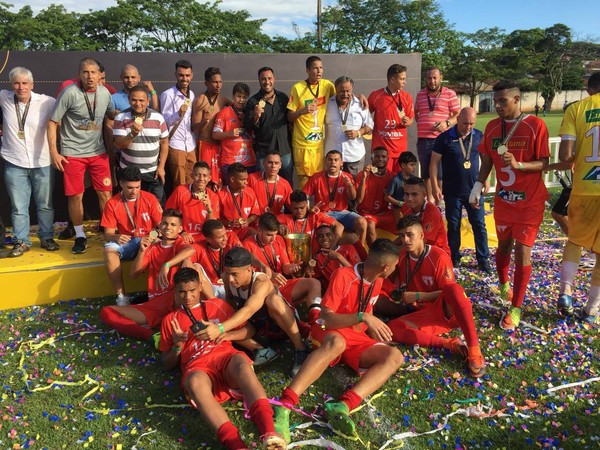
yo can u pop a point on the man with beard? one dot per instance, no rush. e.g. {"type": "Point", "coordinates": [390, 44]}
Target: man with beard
{"type": "Point", "coordinates": [131, 78]}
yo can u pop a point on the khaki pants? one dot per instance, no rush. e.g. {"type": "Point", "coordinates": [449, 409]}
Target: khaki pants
{"type": "Point", "coordinates": [181, 164]}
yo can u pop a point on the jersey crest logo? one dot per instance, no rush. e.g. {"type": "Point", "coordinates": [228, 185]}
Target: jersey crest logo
{"type": "Point", "coordinates": [501, 227]}
{"type": "Point", "coordinates": [427, 280]}
{"type": "Point", "coordinates": [593, 174]}
{"type": "Point", "coordinates": [247, 211]}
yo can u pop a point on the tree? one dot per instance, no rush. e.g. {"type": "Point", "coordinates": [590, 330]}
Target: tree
{"type": "Point", "coordinates": [54, 28]}
{"type": "Point", "coordinates": [117, 28]}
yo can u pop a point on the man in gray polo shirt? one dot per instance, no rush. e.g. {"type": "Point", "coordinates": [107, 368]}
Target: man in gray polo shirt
{"type": "Point", "coordinates": [80, 109]}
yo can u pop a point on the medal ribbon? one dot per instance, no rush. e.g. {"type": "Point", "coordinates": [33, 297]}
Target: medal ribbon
{"type": "Point", "coordinates": [303, 230]}
{"type": "Point", "coordinates": [217, 266]}
{"type": "Point", "coordinates": [235, 203]}
{"type": "Point", "coordinates": [335, 186]}
{"type": "Point", "coordinates": [363, 301]}
{"type": "Point", "coordinates": [270, 198]}
{"type": "Point", "coordinates": [20, 119]}
{"type": "Point", "coordinates": [432, 105]}
{"type": "Point", "coordinates": [316, 96]}
{"type": "Point", "coordinates": [512, 130]}
{"type": "Point", "coordinates": [272, 264]}
{"type": "Point", "coordinates": [135, 210]}
{"type": "Point", "coordinates": [467, 153]}
{"type": "Point", "coordinates": [399, 102]}
{"type": "Point", "coordinates": [409, 275]}
{"type": "Point", "coordinates": [91, 112]}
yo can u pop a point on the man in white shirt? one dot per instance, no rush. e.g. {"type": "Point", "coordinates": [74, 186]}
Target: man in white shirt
{"type": "Point", "coordinates": [176, 107]}
{"type": "Point", "coordinates": [27, 165]}
{"type": "Point", "coordinates": [346, 123]}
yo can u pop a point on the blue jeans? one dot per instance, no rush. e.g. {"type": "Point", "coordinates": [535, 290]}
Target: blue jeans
{"type": "Point", "coordinates": [287, 166]}
{"type": "Point", "coordinates": [20, 183]}
{"type": "Point", "coordinates": [454, 207]}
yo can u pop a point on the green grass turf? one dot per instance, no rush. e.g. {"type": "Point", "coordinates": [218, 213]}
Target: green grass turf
{"type": "Point", "coordinates": [553, 121]}
{"type": "Point", "coordinates": [131, 380]}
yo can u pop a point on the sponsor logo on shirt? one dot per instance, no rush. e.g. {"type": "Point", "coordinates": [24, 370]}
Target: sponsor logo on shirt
{"type": "Point", "coordinates": [593, 174]}
{"type": "Point", "coordinates": [314, 136]}
{"type": "Point", "coordinates": [592, 115]}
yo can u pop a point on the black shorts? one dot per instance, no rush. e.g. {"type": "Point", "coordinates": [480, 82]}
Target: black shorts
{"type": "Point", "coordinates": [561, 206]}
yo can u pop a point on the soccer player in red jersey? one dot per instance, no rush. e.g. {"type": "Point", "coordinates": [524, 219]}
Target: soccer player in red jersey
{"type": "Point", "coordinates": [272, 191]}
{"type": "Point", "coordinates": [236, 142]}
{"type": "Point", "coordinates": [347, 315]}
{"type": "Point", "coordinates": [416, 204]}
{"type": "Point", "coordinates": [370, 196]}
{"type": "Point", "coordinates": [127, 217]}
{"type": "Point", "coordinates": [239, 208]}
{"type": "Point", "coordinates": [197, 202]}
{"type": "Point", "coordinates": [392, 110]}
{"type": "Point", "coordinates": [332, 189]}
{"type": "Point", "coordinates": [329, 257]}
{"type": "Point", "coordinates": [516, 145]}
{"type": "Point", "coordinates": [161, 259]}
{"type": "Point", "coordinates": [426, 279]}
{"type": "Point", "coordinates": [213, 371]}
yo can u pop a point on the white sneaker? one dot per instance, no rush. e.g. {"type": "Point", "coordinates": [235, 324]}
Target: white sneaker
{"type": "Point", "coordinates": [123, 300]}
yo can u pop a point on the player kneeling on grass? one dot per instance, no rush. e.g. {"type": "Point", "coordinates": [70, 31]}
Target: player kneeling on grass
{"type": "Point", "coordinates": [349, 333]}
{"type": "Point", "coordinates": [213, 370]}
{"type": "Point", "coordinates": [426, 278]}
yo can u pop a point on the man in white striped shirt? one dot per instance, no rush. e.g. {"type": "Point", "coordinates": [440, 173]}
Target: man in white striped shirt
{"type": "Point", "coordinates": [143, 138]}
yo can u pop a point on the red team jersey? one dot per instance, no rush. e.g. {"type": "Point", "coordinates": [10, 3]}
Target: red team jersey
{"type": "Point", "coordinates": [388, 130]}
{"type": "Point", "coordinates": [373, 202]}
{"type": "Point", "coordinates": [520, 196]}
{"type": "Point", "coordinates": [274, 255]}
{"type": "Point", "coordinates": [433, 225]}
{"type": "Point", "coordinates": [212, 260]}
{"type": "Point", "coordinates": [434, 273]}
{"type": "Point", "coordinates": [193, 210]}
{"type": "Point", "coordinates": [146, 213]}
{"type": "Point", "coordinates": [326, 266]}
{"type": "Point", "coordinates": [237, 149]}
{"type": "Point", "coordinates": [320, 184]}
{"type": "Point", "coordinates": [274, 195]}
{"type": "Point", "coordinates": [154, 258]}
{"type": "Point", "coordinates": [238, 206]}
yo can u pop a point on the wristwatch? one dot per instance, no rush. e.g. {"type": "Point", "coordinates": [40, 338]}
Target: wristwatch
{"type": "Point", "coordinates": [448, 123]}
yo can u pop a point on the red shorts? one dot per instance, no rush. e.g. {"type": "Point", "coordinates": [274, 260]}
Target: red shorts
{"type": "Point", "coordinates": [393, 165]}
{"type": "Point", "coordinates": [286, 291]}
{"type": "Point", "coordinates": [385, 221]}
{"type": "Point", "coordinates": [214, 365]}
{"type": "Point", "coordinates": [356, 343]}
{"type": "Point", "coordinates": [209, 153]}
{"type": "Point", "coordinates": [156, 308]}
{"type": "Point", "coordinates": [98, 168]}
{"type": "Point", "coordinates": [429, 319]}
{"type": "Point", "coordinates": [525, 233]}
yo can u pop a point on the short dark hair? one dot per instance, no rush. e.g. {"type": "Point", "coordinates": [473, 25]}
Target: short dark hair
{"type": "Point", "coordinates": [131, 173]}
{"type": "Point", "coordinates": [186, 275]}
{"type": "Point", "coordinates": [210, 226]}
{"type": "Point", "coordinates": [395, 69]}
{"type": "Point", "coordinates": [201, 165]}
{"type": "Point", "coordinates": [101, 68]}
{"type": "Point", "coordinates": [379, 149]}
{"type": "Point", "coordinates": [172, 212]}
{"type": "Point", "coordinates": [407, 157]}
{"type": "Point", "coordinates": [241, 88]}
{"type": "Point", "coordinates": [210, 71]}
{"type": "Point", "coordinates": [408, 221]}
{"type": "Point", "coordinates": [383, 246]}
{"type": "Point", "coordinates": [298, 196]}
{"type": "Point", "coordinates": [503, 85]}
{"type": "Point", "coordinates": [323, 225]}
{"type": "Point", "coordinates": [343, 79]}
{"type": "Point", "coordinates": [431, 68]}
{"type": "Point", "coordinates": [265, 69]}
{"type": "Point", "coordinates": [236, 168]}
{"type": "Point", "coordinates": [138, 88]}
{"type": "Point", "coordinates": [330, 152]}
{"type": "Point", "coordinates": [310, 60]}
{"type": "Point", "coordinates": [594, 82]}
{"type": "Point", "coordinates": [415, 181]}
{"type": "Point", "coordinates": [183, 63]}
{"type": "Point", "coordinates": [268, 222]}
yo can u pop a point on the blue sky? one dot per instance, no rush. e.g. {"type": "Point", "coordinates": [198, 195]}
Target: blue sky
{"type": "Point", "coordinates": [466, 15]}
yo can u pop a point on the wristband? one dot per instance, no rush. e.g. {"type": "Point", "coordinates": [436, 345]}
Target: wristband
{"type": "Point", "coordinates": [520, 165]}
{"type": "Point", "coordinates": [167, 265]}
{"type": "Point", "coordinates": [359, 135]}
{"type": "Point", "coordinates": [221, 328]}
{"type": "Point", "coordinates": [209, 211]}
{"type": "Point", "coordinates": [417, 295]}
{"type": "Point", "coordinates": [360, 319]}
{"type": "Point", "coordinates": [153, 92]}
{"type": "Point", "coordinates": [177, 349]}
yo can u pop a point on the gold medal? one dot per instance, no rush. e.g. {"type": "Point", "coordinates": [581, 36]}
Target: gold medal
{"type": "Point", "coordinates": [262, 103]}
{"type": "Point", "coordinates": [467, 165]}
{"type": "Point", "coordinates": [21, 134]}
{"type": "Point", "coordinates": [374, 169]}
{"type": "Point", "coordinates": [344, 128]}
{"type": "Point", "coordinates": [153, 235]}
{"type": "Point", "coordinates": [139, 120]}
{"type": "Point", "coordinates": [502, 149]}
{"type": "Point", "coordinates": [401, 113]}
{"type": "Point", "coordinates": [312, 263]}
{"type": "Point", "coordinates": [331, 205]}
{"type": "Point", "coordinates": [187, 102]}
{"type": "Point", "coordinates": [430, 113]}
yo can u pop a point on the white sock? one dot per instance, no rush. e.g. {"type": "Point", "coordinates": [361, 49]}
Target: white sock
{"type": "Point", "coordinates": [567, 274]}
{"type": "Point", "coordinates": [317, 300]}
{"type": "Point", "coordinates": [591, 308]}
{"type": "Point", "coordinates": [79, 231]}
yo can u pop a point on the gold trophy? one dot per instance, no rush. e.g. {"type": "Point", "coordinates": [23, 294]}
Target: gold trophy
{"type": "Point", "coordinates": [298, 248]}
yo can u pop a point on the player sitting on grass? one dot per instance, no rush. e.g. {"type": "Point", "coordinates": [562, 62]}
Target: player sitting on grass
{"type": "Point", "coordinates": [346, 314]}
{"type": "Point", "coordinates": [213, 370]}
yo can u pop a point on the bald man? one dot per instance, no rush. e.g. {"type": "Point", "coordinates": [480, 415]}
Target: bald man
{"type": "Point", "coordinates": [130, 76]}
{"type": "Point", "coordinates": [457, 149]}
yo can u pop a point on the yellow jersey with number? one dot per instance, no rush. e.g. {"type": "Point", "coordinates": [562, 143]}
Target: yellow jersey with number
{"type": "Point", "coordinates": [582, 124]}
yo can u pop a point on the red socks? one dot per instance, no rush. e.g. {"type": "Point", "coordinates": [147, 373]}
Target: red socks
{"type": "Point", "coordinates": [262, 416]}
{"type": "Point", "coordinates": [229, 436]}
{"type": "Point", "coordinates": [522, 276]}
{"type": "Point", "coordinates": [413, 336]}
{"type": "Point", "coordinates": [351, 399]}
{"type": "Point", "coordinates": [123, 325]}
{"type": "Point", "coordinates": [455, 295]}
{"type": "Point", "coordinates": [289, 398]}
{"type": "Point", "coordinates": [502, 266]}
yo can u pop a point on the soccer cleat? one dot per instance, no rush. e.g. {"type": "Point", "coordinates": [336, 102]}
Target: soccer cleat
{"type": "Point", "coordinates": [565, 305]}
{"type": "Point", "coordinates": [155, 340]}
{"type": "Point", "coordinates": [299, 358]}
{"type": "Point", "coordinates": [506, 292]}
{"type": "Point", "coordinates": [273, 441]}
{"type": "Point", "coordinates": [264, 356]}
{"type": "Point", "coordinates": [338, 416]}
{"type": "Point", "coordinates": [281, 421]}
{"type": "Point", "coordinates": [476, 366]}
{"type": "Point", "coordinates": [510, 319]}
{"type": "Point", "coordinates": [587, 318]}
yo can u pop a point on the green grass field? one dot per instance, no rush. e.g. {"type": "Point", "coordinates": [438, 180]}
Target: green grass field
{"type": "Point", "coordinates": [553, 120]}
{"type": "Point", "coordinates": [69, 383]}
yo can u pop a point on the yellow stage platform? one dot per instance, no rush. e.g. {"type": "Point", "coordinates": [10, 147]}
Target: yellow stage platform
{"type": "Point", "coordinates": [40, 277]}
